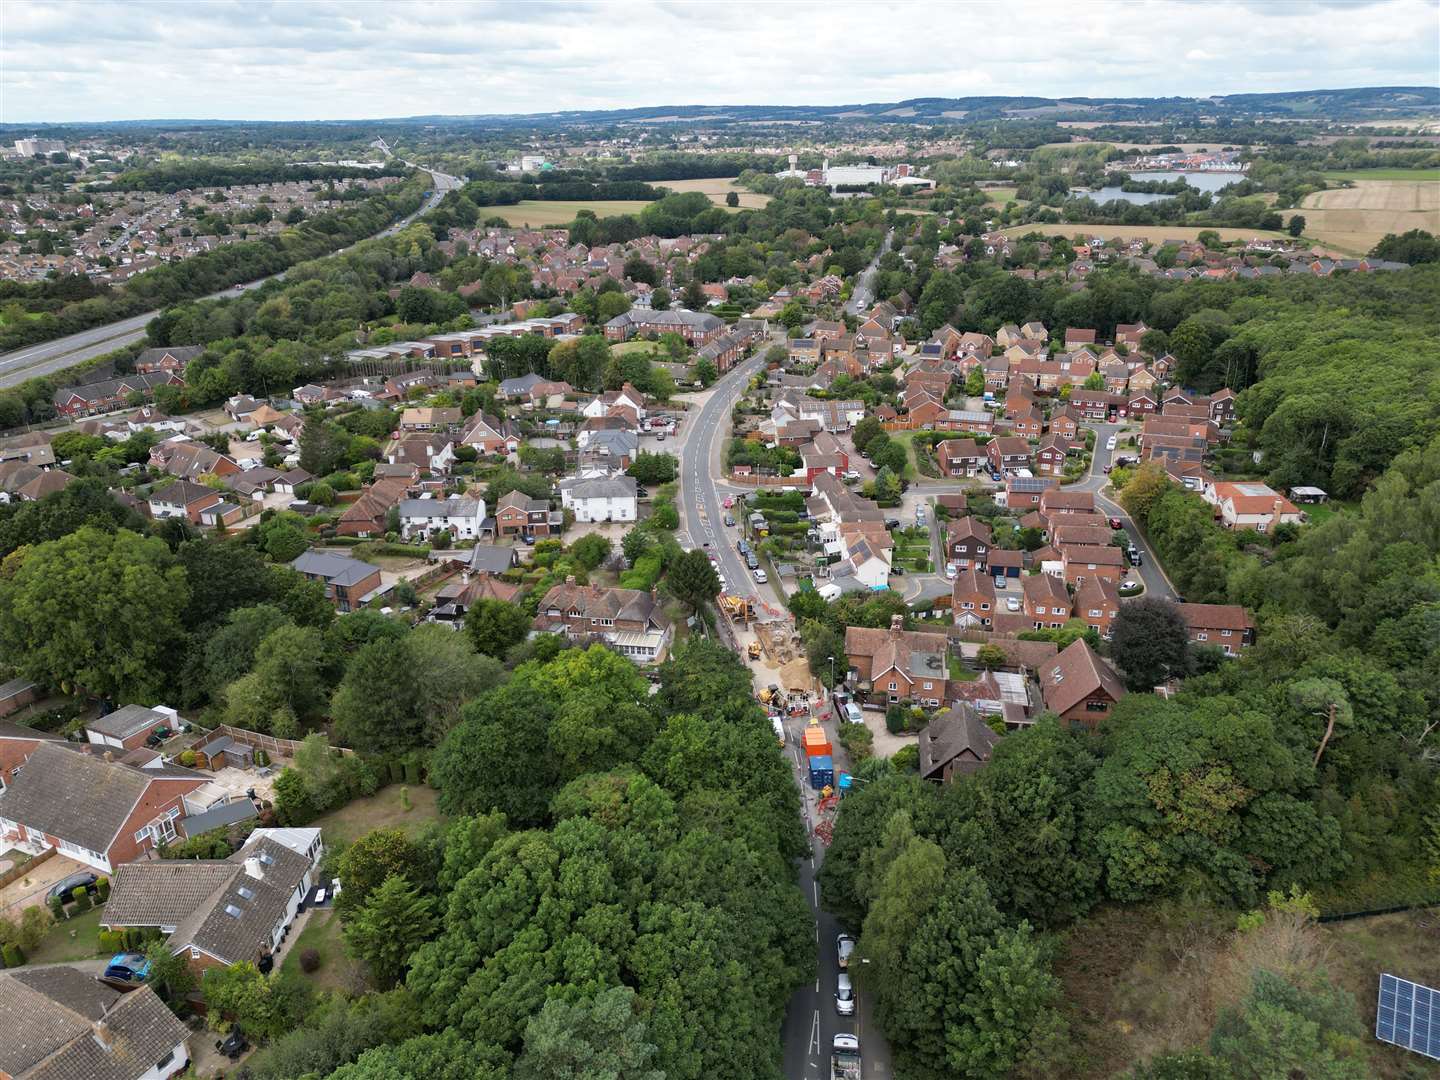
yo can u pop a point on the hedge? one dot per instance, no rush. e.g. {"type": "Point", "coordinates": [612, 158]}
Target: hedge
{"type": "Point", "coordinates": [111, 941]}
{"type": "Point", "coordinates": [12, 956]}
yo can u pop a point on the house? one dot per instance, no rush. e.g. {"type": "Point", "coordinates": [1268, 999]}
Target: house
{"type": "Point", "coordinates": [1249, 505]}
{"type": "Point", "coordinates": [1227, 626]}
{"type": "Point", "coordinates": [1060, 501]}
{"type": "Point", "coordinates": [368, 514]}
{"type": "Point", "coordinates": [824, 453]}
{"type": "Point", "coordinates": [190, 460]}
{"type": "Point", "coordinates": [516, 514]}
{"type": "Point", "coordinates": [606, 449]}
{"type": "Point", "coordinates": [18, 742]}
{"type": "Point", "coordinates": [348, 582]}
{"type": "Point", "coordinates": [1097, 604]}
{"type": "Point", "coordinates": [433, 452]}
{"type": "Point", "coordinates": [183, 499]}
{"type": "Point", "coordinates": [287, 482]}
{"type": "Point", "coordinates": [972, 598]}
{"type": "Point", "coordinates": [600, 498]}
{"type": "Point", "coordinates": [967, 542]}
{"type": "Point", "coordinates": [1047, 603]}
{"type": "Point", "coordinates": [1008, 453]}
{"type": "Point", "coordinates": [93, 809]}
{"type": "Point", "coordinates": [1065, 424]}
{"type": "Point", "coordinates": [1074, 338]}
{"type": "Point", "coordinates": [889, 666]}
{"type": "Point", "coordinates": [696, 327]}
{"type": "Point", "coordinates": [1083, 561]}
{"type": "Point", "coordinates": [170, 358]}
{"type": "Point", "coordinates": [489, 435]}
{"type": "Point", "coordinates": [956, 744]}
{"type": "Point", "coordinates": [1050, 455]}
{"type": "Point", "coordinates": [218, 912]}
{"type": "Point", "coordinates": [16, 694]}
{"type": "Point", "coordinates": [960, 457]}
{"type": "Point", "coordinates": [630, 621]}
{"type": "Point", "coordinates": [1025, 491]}
{"type": "Point", "coordinates": [110, 394]}
{"type": "Point", "coordinates": [127, 728]}
{"type": "Point", "coordinates": [429, 419]}
{"type": "Point", "coordinates": [62, 1023]}
{"type": "Point", "coordinates": [461, 518]}
{"type": "Point", "coordinates": [1079, 687]}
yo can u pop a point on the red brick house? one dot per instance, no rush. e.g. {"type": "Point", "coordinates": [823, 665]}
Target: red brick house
{"type": "Point", "coordinates": [1097, 604]}
{"type": "Point", "coordinates": [972, 598]}
{"type": "Point", "coordinates": [1066, 424]}
{"type": "Point", "coordinates": [1227, 626]}
{"type": "Point", "coordinates": [1007, 453]}
{"type": "Point", "coordinates": [1047, 604]}
{"type": "Point", "coordinates": [93, 809]}
{"type": "Point", "coordinates": [347, 581]}
{"type": "Point", "coordinates": [960, 457]}
{"type": "Point", "coordinates": [519, 515]}
{"type": "Point", "coordinates": [1085, 561]}
{"type": "Point", "coordinates": [17, 743]}
{"type": "Point", "coordinates": [1061, 501]}
{"type": "Point", "coordinates": [1079, 687]}
{"type": "Point", "coordinates": [1050, 455]}
{"type": "Point", "coordinates": [889, 666]}
{"type": "Point", "coordinates": [967, 542]}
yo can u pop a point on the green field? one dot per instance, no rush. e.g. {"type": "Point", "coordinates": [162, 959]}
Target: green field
{"type": "Point", "coordinates": [382, 810]}
{"type": "Point", "coordinates": [1418, 175]}
{"type": "Point", "coordinates": [536, 212]}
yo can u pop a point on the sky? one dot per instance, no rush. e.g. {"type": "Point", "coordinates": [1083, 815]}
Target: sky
{"type": "Point", "coordinates": [323, 60]}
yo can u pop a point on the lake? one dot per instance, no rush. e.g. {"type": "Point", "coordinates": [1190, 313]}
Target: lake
{"type": "Point", "coordinates": [1202, 181]}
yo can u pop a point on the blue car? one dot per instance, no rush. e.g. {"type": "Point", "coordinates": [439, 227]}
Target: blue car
{"type": "Point", "coordinates": [128, 967]}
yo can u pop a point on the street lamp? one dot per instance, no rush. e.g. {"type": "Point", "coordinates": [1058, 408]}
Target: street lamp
{"type": "Point", "coordinates": [832, 671]}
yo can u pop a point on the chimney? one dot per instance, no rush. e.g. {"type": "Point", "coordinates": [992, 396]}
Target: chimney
{"type": "Point", "coordinates": [109, 755]}
{"type": "Point", "coordinates": [897, 624]}
{"type": "Point", "coordinates": [569, 579]}
{"type": "Point", "coordinates": [254, 869]}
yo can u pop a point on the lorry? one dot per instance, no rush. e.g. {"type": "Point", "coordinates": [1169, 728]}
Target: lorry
{"type": "Point", "coordinates": [822, 771]}
{"type": "Point", "coordinates": [845, 1057]}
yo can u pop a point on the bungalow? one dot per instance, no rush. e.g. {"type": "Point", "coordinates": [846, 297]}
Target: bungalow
{"type": "Point", "coordinates": [600, 498]}
{"type": "Point", "coordinates": [348, 582]}
{"type": "Point", "coordinates": [429, 419]}
{"type": "Point", "coordinates": [1227, 626]}
{"type": "Point", "coordinates": [218, 912]}
{"type": "Point", "coordinates": [889, 666]}
{"type": "Point", "coordinates": [1250, 505]}
{"type": "Point", "coordinates": [18, 742]}
{"type": "Point", "coordinates": [1079, 687]}
{"type": "Point", "coordinates": [93, 809]}
{"type": "Point", "coordinates": [630, 621]}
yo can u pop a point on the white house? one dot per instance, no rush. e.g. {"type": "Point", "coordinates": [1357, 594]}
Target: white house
{"type": "Point", "coordinates": [1248, 505]}
{"type": "Point", "coordinates": [600, 498]}
{"type": "Point", "coordinates": [462, 517]}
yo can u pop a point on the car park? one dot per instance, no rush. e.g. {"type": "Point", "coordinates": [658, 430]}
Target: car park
{"type": "Point", "coordinates": [844, 995]}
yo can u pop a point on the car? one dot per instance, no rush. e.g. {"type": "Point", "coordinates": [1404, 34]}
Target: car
{"type": "Point", "coordinates": [128, 967]}
{"type": "Point", "coordinates": [844, 995]}
{"type": "Point", "coordinates": [1110, 443]}
{"type": "Point", "coordinates": [759, 575]}
{"type": "Point", "coordinates": [1000, 581]}
{"type": "Point", "coordinates": [240, 287]}
{"type": "Point", "coordinates": [898, 569]}
{"type": "Point", "coordinates": [660, 436]}
{"type": "Point", "coordinates": [752, 562]}
{"type": "Point", "coordinates": [67, 885]}
{"type": "Point", "coordinates": [729, 521]}
{"type": "Point", "coordinates": [721, 579]}
{"type": "Point", "coordinates": [742, 547]}
{"type": "Point", "coordinates": [1134, 554]}
{"type": "Point", "coordinates": [1116, 523]}
{"type": "Point", "coordinates": [851, 475]}
{"type": "Point", "coordinates": [892, 523]}
{"type": "Point", "coordinates": [1106, 470]}
{"type": "Point", "coordinates": [951, 571]}
{"type": "Point", "coordinates": [1012, 603]}
{"type": "Point", "coordinates": [844, 946]}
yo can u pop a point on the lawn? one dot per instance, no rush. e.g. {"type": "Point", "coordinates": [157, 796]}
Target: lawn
{"type": "Point", "coordinates": [1384, 174]}
{"type": "Point", "coordinates": [537, 212]}
{"type": "Point", "coordinates": [381, 810]}
{"type": "Point", "coordinates": [323, 934]}
{"type": "Point", "coordinates": [69, 940]}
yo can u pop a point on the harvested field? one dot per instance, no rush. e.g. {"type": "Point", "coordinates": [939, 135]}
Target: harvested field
{"type": "Point", "coordinates": [537, 212]}
{"type": "Point", "coordinates": [717, 188]}
{"type": "Point", "coordinates": [1153, 233]}
{"type": "Point", "coordinates": [1356, 218]}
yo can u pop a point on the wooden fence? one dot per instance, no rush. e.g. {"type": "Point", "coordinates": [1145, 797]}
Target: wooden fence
{"type": "Point", "coordinates": [754, 480]}
{"type": "Point", "coordinates": [269, 743]}
{"type": "Point", "coordinates": [19, 870]}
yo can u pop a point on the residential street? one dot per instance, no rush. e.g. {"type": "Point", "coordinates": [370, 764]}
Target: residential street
{"type": "Point", "coordinates": [52, 356]}
{"type": "Point", "coordinates": [864, 291]}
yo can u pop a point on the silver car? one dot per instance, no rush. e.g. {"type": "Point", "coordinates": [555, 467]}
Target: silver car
{"type": "Point", "coordinates": [844, 996]}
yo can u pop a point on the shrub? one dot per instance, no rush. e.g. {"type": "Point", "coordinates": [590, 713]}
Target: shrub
{"type": "Point", "coordinates": [12, 955]}
{"type": "Point", "coordinates": [187, 758]}
{"type": "Point", "coordinates": [57, 907]}
{"type": "Point", "coordinates": [858, 741]}
{"type": "Point", "coordinates": [907, 758]}
{"type": "Point", "coordinates": [895, 717]}
{"type": "Point", "coordinates": [309, 961]}
{"type": "Point", "coordinates": [111, 941]}
{"type": "Point", "coordinates": [82, 899]}
{"type": "Point", "coordinates": [102, 889]}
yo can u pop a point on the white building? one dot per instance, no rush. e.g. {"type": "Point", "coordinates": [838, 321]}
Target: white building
{"type": "Point", "coordinates": [600, 498]}
{"type": "Point", "coordinates": [462, 517]}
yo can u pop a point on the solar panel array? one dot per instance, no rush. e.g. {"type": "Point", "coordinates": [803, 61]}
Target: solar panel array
{"type": "Point", "coordinates": [1409, 1015]}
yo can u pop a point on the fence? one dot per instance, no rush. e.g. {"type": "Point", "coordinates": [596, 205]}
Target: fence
{"type": "Point", "coordinates": [269, 743]}
{"type": "Point", "coordinates": [754, 480]}
{"type": "Point", "coordinates": [16, 872]}
{"type": "Point", "coordinates": [1344, 916]}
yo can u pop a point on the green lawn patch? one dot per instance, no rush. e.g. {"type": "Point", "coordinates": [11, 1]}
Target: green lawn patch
{"type": "Point", "coordinates": [381, 810]}
{"type": "Point", "coordinates": [960, 673]}
{"type": "Point", "coordinates": [1383, 174]}
{"type": "Point", "coordinates": [323, 934]}
{"type": "Point", "coordinates": [70, 940]}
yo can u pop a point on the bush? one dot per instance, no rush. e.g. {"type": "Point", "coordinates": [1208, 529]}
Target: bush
{"type": "Point", "coordinates": [309, 961]}
{"type": "Point", "coordinates": [102, 889]}
{"type": "Point", "coordinates": [907, 759]}
{"type": "Point", "coordinates": [187, 758]}
{"type": "Point", "coordinates": [12, 955]}
{"type": "Point", "coordinates": [57, 907]}
{"type": "Point", "coordinates": [82, 900]}
{"type": "Point", "coordinates": [858, 741]}
{"type": "Point", "coordinates": [895, 717]}
{"type": "Point", "coordinates": [111, 941]}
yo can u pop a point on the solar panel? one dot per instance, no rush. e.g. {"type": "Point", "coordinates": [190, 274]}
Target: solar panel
{"type": "Point", "coordinates": [1408, 1015]}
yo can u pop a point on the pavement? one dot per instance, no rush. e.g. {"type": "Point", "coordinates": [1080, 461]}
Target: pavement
{"type": "Point", "coordinates": [52, 356]}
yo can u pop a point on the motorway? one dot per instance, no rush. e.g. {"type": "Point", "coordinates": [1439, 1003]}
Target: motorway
{"type": "Point", "coordinates": [52, 356]}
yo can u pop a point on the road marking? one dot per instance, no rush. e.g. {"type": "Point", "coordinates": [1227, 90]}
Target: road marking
{"type": "Point", "coordinates": [815, 887]}
{"type": "Point", "coordinates": [814, 1047]}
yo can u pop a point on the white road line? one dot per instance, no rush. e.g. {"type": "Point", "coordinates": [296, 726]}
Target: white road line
{"type": "Point", "coordinates": [814, 1047]}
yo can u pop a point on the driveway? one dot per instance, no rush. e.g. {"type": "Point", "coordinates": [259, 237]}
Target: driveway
{"type": "Point", "coordinates": [29, 890]}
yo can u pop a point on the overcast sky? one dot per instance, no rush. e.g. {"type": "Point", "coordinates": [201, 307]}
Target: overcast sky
{"type": "Point", "coordinates": [322, 60]}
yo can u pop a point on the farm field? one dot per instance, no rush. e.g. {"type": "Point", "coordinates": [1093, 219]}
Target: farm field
{"type": "Point", "coordinates": [1000, 195]}
{"type": "Point", "coordinates": [1154, 233]}
{"type": "Point", "coordinates": [717, 188]}
{"type": "Point", "coordinates": [1356, 218]}
{"type": "Point", "coordinates": [1416, 175]}
{"type": "Point", "coordinates": [537, 212]}
{"type": "Point", "coordinates": [1187, 148]}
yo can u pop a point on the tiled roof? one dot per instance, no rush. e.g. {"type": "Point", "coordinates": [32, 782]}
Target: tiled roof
{"type": "Point", "coordinates": [1076, 674]}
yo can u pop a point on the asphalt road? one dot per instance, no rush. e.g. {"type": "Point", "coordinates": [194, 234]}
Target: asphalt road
{"type": "Point", "coordinates": [1156, 584]}
{"type": "Point", "coordinates": [702, 512]}
{"type": "Point", "coordinates": [52, 356]}
{"type": "Point", "coordinates": [864, 288]}
{"type": "Point", "coordinates": [811, 1020]}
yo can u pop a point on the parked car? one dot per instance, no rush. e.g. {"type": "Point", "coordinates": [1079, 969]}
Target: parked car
{"type": "Point", "coordinates": [1116, 523]}
{"type": "Point", "coordinates": [752, 562]}
{"type": "Point", "coordinates": [892, 523]}
{"type": "Point", "coordinates": [951, 570]}
{"type": "Point", "coordinates": [65, 886]}
{"type": "Point", "coordinates": [851, 475]}
{"type": "Point", "coordinates": [1134, 555]}
{"type": "Point", "coordinates": [844, 946]}
{"type": "Point", "coordinates": [853, 714]}
{"type": "Point", "coordinates": [128, 967]}
{"type": "Point", "coordinates": [999, 581]}
{"type": "Point", "coordinates": [1110, 443]}
{"type": "Point", "coordinates": [844, 995]}
{"type": "Point", "coordinates": [759, 575]}
{"type": "Point", "coordinates": [729, 521]}
{"type": "Point", "coordinates": [233, 1045]}
{"type": "Point", "coordinates": [1012, 603]}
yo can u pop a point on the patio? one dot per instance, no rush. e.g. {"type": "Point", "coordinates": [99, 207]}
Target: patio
{"type": "Point", "coordinates": [29, 889]}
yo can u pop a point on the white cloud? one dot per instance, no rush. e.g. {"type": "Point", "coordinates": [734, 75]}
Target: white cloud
{"type": "Point", "coordinates": [328, 59]}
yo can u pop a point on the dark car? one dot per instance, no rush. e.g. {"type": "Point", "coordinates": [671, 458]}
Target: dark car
{"type": "Point", "coordinates": [65, 886]}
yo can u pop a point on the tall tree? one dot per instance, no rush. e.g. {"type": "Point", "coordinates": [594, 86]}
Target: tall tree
{"type": "Point", "coordinates": [599, 1038]}
{"type": "Point", "coordinates": [1149, 642]}
{"type": "Point", "coordinates": [394, 921]}
{"type": "Point", "coordinates": [692, 579]}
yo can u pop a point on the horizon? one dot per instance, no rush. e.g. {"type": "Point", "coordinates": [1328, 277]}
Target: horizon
{"type": "Point", "coordinates": [331, 61]}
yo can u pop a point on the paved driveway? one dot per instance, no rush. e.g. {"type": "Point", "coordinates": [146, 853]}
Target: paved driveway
{"type": "Point", "coordinates": [29, 890]}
